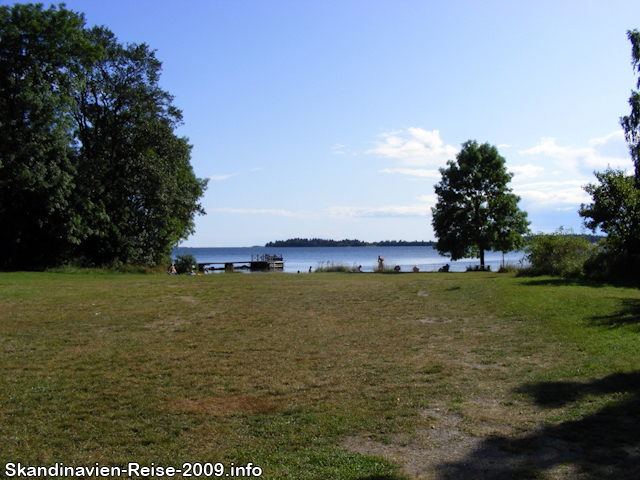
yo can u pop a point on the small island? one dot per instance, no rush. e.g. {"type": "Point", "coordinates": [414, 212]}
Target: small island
{"type": "Point", "coordinates": [319, 242]}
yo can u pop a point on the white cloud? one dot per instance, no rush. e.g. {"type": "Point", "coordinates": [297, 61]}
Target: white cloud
{"type": "Point", "coordinates": [339, 149]}
{"type": "Point", "coordinates": [553, 194]}
{"type": "Point", "coordinates": [617, 135]}
{"type": "Point", "coordinates": [415, 172]}
{"type": "Point", "coordinates": [522, 172]}
{"type": "Point", "coordinates": [219, 178]}
{"type": "Point", "coordinates": [588, 157]}
{"type": "Point", "coordinates": [416, 147]}
{"type": "Point", "coordinates": [251, 211]}
{"type": "Point", "coordinates": [430, 199]}
{"type": "Point", "coordinates": [385, 211]}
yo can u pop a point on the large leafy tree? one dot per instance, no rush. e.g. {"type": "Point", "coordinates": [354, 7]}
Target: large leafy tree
{"type": "Point", "coordinates": [476, 211]}
{"type": "Point", "coordinates": [40, 55]}
{"type": "Point", "coordinates": [90, 166]}
{"type": "Point", "coordinates": [616, 199]}
{"type": "Point", "coordinates": [139, 190]}
{"type": "Point", "coordinates": [615, 209]}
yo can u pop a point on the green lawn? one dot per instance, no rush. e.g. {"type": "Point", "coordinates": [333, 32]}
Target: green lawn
{"type": "Point", "coordinates": [322, 376]}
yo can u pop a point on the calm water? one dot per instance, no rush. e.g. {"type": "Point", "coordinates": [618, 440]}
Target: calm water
{"type": "Point", "coordinates": [301, 258]}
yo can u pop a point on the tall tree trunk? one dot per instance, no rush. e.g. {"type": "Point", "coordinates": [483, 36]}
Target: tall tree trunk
{"type": "Point", "coordinates": [482, 258]}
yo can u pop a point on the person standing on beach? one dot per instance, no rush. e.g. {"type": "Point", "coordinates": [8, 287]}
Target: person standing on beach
{"type": "Point", "coordinates": [380, 263]}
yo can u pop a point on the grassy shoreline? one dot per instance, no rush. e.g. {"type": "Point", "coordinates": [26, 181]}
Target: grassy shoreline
{"type": "Point", "coordinates": [323, 376]}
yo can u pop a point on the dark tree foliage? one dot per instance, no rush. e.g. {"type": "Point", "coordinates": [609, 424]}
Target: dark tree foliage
{"type": "Point", "coordinates": [615, 210]}
{"type": "Point", "coordinates": [90, 167]}
{"type": "Point", "coordinates": [616, 198]}
{"type": "Point", "coordinates": [40, 55]}
{"type": "Point", "coordinates": [476, 211]}
{"type": "Point", "coordinates": [139, 189]}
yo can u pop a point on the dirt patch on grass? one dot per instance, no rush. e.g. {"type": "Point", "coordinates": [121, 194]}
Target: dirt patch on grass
{"type": "Point", "coordinates": [421, 453]}
{"type": "Point", "coordinates": [447, 450]}
{"type": "Point", "coordinates": [227, 405]}
{"type": "Point", "coordinates": [185, 298]}
{"type": "Point", "coordinates": [428, 320]}
{"type": "Point", "coordinates": [167, 324]}
{"type": "Point", "coordinates": [482, 366]}
{"type": "Point", "coordinates": [469, 365]}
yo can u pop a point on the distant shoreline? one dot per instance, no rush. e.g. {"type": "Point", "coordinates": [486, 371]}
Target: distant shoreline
{"type": "Point", "coordinates": [319, 242]}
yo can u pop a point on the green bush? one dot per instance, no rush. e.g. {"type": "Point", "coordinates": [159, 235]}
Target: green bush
{"type": "Point", "coordinates": [561, 253]}
{"type": "Point", "coordinates": [185, 263]}
{"type": "Point", "coordinates": [478, 268]}
{"type": "Point", "coordinates": [334, 267]}
{"type": "Point", "coordinates": [610, 265]}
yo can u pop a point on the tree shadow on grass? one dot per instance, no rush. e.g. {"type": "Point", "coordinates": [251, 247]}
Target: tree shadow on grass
{"type": "Point", "coordinates": [381, 477]}
{"type": "Point", "coordinates": [577, 282]}
{"type": "Point", "coordinates": [628, 315]}
{"type": "Point", "coordinates": [604, 444]}
{"type": "Point", "coordinates": [562, 282]}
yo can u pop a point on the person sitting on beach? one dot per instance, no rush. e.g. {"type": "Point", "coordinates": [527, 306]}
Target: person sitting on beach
{"type": "Point", "coordinates": [172, 269]}
{"type": "Point", "coordinates": [359, 269]}
{"type": "Point", "coordinates": [397, 268]}
{"type": "Point", "coordinates": [416, 269]}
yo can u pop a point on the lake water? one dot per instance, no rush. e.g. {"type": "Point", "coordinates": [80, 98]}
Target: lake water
{"type": "Point", "coordinates": [301, 258]}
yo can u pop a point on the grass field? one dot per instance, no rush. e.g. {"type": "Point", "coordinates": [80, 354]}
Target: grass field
{"type": "Point", "coordinates": [322, 376]}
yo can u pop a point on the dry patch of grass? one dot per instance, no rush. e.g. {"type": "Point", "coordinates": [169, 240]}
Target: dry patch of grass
{"type": "Point", "coordinates": [322, 376]}
{"type": "Point", "coordinates": [225, 405]}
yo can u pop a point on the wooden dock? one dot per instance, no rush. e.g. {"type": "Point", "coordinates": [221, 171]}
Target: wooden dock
{"type": "Point", "coordinates": [258, 263]}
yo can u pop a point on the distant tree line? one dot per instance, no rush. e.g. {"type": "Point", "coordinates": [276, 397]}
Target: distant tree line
{"type": "Point", "coordinates": [319, 242]}
{"type": "Point", "coordinates": [91, 171]}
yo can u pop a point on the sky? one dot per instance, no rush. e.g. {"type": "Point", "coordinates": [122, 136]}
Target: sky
{"type": "Point", "coordinates": [330, 118]}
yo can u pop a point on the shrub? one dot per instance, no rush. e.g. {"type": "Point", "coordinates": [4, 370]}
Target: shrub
{"type": "Point", "coordinates": [478, 268]}
{"type": "Point", "coordinates": [609, 264]}
{"type": "Point", "coordinates": [334, 267]}
{"type": "Point", "coordinates": [185, 263]}
{"type": "Point", "coordinates": [560, 253]}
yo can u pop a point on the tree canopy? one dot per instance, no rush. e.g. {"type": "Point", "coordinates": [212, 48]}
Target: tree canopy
{"type": "Point", "coordinates": [476, 211]}
{"type": "Point", "coordinates": [615, 209]}
{"type": "Point", "coordinates": [90, 167]}
{"type": "Point", "coordinates": [616, 199]}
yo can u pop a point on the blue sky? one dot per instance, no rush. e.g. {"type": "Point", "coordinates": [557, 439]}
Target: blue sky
{"type": "Point", "coordinates": [330, 118]}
